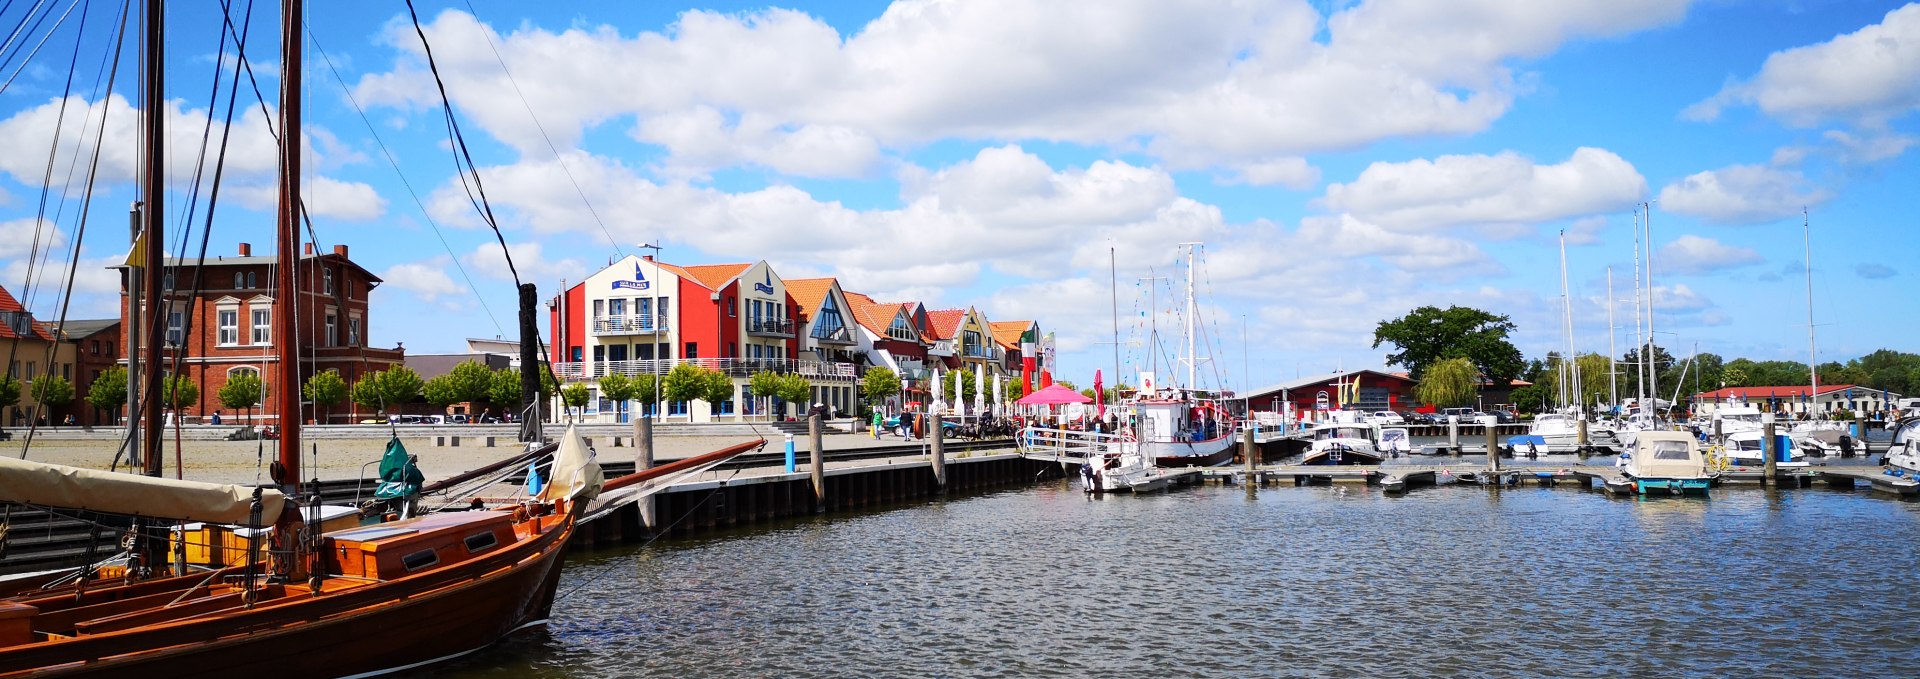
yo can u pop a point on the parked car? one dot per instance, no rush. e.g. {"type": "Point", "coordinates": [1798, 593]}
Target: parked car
{"type": "Point", "coordinates": [1417, 417]}
{"type": "Point", "coordinates": [374, 420]}
{"type": "Point", "coordinates": [949, 426]}
{"type": "Point", "coordinates": [1386, 418]}
{"type": "Point", "coordinates": [1465, 414]}
{"type": "Point", "coordinates": [456, 419]}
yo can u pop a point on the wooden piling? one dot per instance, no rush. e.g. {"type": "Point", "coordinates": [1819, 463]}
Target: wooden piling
{"type": "Point", "coordinates": [939, 453]}
{"type": "Point", "coordinates": [1251, 452]}
{"type": "Point", "coordinates": [1453, 433]}
{"type": "Point", "coordinates": [1493, 449]}
{"type": "Point", "coordinates": [643, 459]}
{"type": "Point", "coordinates": [819, 471]}
{"type": "Point", "coordinates": [1770, 447]}
{"type": "Point", "coordinates": [1583, 430]}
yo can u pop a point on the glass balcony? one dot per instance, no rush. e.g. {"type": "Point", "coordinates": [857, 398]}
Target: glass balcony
{"type": "Point", "coordinates": [629, 325]}
{"type": "Point", "coordinates": [770, 327]}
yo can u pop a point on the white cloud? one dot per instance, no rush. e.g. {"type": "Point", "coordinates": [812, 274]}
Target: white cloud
{"type": "Point", "coordinates": [1741, 194]}
{"type": "Point", "coordinates": [1691, 254]}
{"type": "Point", "coordinates": [17, 237]}
{"type": "Point", "coordinates": [427, 279]}
{"type": "Point", "coordinates": [1292, 173]}
{"type": "Point", "coordinates": [1679, 299]}
{"type": "Point", "coordinates": [351, 201]}
{"type": "Point", "coordinates": [1586, 231]}
{"type": "Point", "coordinates": [529, 260]}
{"type": "Point", "coordinates": [1872, 147]}
{"type": "Point", "coordinates": [1507, 188]}
{"type": "Point", "coordinates": [1208, 85]}
{"type": "Point", "coordinates": [1869, 76]}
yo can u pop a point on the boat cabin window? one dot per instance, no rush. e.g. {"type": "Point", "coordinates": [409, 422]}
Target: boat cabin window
{"type": "Point", "coordinates": [420, 559]}
{"type": "Point", "coordinates": [480, 542]}
{"type": "Point", "coordinates": [1746, 444]}
{"type": "Point", "coordinates": [1670, 450]}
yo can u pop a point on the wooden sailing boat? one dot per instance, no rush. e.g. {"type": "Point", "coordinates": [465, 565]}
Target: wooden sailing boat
{"type": "Point", "coordinates": [366, 601]}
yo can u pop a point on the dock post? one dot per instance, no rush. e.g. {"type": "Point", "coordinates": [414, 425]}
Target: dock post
{"type": "Point", "coordinates": [1583, 431]}
{"type": "Point", "coordinates": [1453, 433]}
{"type": "Point", "coordinates": [1719, 439]}
{"type": "Point", "coordinates": [1493, 449]}
{"type": "Point", "coordinates": [1860, 432]}
{"type": "Point", "coordinates": [1251, 452]}
{"type": "Point", "coordinates": [939, 434]}
{"type": "Point", "coordinates": [819, 472]}
{"type": "Point", "coordinates": [789, 453]}
{"type": "Point", "coordinates": [1771, 445]}
{"type": "Point", "coordinates": [643, 459]}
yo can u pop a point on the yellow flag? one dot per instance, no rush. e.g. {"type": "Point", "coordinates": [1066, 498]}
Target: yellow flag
{"type": "Point", "coordinates": [138, 255]}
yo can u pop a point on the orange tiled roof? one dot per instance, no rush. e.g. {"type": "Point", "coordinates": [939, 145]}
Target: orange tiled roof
{"type": "Point", "coordinates": [809, 293]}
{"type": "Point", "coordinates": [8, 303]}
{"type": "Point", "coordinates": [874, 316]}
{"type": "Point", "coordinates": [713, 276]}
{"type": "Point", "coordinates": [945, 323]}
{"type": "Point", "coordinates": [1007, 333]}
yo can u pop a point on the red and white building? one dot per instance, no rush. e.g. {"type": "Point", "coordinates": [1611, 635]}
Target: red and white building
{"type": "Point", "coordinates": [1793, 400]}
{"type": "Point", "coordinates": [232, 326]}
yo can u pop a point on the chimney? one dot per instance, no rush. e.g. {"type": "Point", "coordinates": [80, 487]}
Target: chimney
{"type": "Point", "coordinates": [340, 250]}
{"type": "Point", "coordinates": [647, 257]}
{"type": "Point", "coordinates": [309, 246]}
{"type": "Point", "coordinates": [246, 249]}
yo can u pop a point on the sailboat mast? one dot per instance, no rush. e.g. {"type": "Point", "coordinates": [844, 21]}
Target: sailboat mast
{"type": "Point", "coordinates": [1192, 368]}
{"type": "Point", "coordinates": [1813, 350]}
{"type": "Point", "coordinates": [1570, 370]}
{"type": "Point", "coordinates": [1113, 288]}
{"type": "Point", "coordinates": [1649, 357]}
{"type": "Point", "coordinates": [153, 242]}
{"type": "Point", "coordinates": [286, 255]}
{"type": "Point", "coordinates": [1639, 330]}
{"type": "Point", "coordinates": [1613, 369]}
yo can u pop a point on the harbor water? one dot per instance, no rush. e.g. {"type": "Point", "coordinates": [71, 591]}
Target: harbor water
{"type": "Point", "coordinates": [1339, 581]}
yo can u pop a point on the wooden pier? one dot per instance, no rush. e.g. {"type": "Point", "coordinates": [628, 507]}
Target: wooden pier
{"type": "Point", "coordinates": [1396, 478]}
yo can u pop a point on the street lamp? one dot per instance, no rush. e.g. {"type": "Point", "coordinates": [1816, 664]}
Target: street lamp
{"type": "Point", "coordinates": [655, 307]}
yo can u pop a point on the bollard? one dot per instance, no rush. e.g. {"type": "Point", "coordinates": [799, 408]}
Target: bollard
{"type": "Point", "coordinates": [939, 453]}
{"type": "Point", "coordinates": [1453, 433]}
{"type": "Point", "coordinates": [1251, 452]}
{"type": "Point", "coordinates": [789, 453]}
{"type": "Point", "coordinates": [1583, 432]}
{"type": "Point", "coordinates": [1771, 446]}
{"type": "Point", "coordinates": [1493, 449]}
{"type": "Point", "coordinates": [819, 472]}
{"type": "Point", "coordinates": [643, 459]}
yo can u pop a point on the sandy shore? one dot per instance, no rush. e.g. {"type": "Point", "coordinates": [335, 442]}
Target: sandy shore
{"type": "Point", "coordinates": [246, 461]}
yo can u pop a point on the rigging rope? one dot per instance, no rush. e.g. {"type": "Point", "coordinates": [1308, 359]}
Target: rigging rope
{"type": "Point", "coordinates": [476, 192]}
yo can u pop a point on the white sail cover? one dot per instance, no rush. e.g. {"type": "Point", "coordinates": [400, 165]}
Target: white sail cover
{"type": "Point", "coordinates": [576, 471]}
{"type": "Point", "coordinates": [55, 485]}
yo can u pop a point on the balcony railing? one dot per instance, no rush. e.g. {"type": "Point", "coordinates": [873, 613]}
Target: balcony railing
{"type": "Point", "coordinates": [629, 325]}
{"type": "Point", "coordinates": [839, 335]}
{"type": "Point", "coordinates": [733, 367]}
{"type": "Point", "coordinates": [941, 348]}
{"type": "Point", "coordinates": [772, 327]}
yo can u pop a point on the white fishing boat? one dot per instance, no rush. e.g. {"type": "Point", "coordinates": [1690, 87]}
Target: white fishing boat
{"type": "Point", "coordinates": [1561, 431]}
{"type": "Point", "coordinates": [1181, 425]}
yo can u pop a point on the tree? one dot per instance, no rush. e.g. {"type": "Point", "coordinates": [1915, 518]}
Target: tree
{"type": "Point", "coordinates": [795, 389]}
{"type": "Point", "coordinates": [967, 386]}
{"type": "Point", "coordinates": [617, 387]}
{"type": "Point", "coordinates": [389, 388]}
{"type": "Point", "coordinates": [326, 390]}
{"type": "Point", "coordinates": [1532, 398]}
{"type": "Point", "coordinates": [686, 382]}
{"type": "Point", "coordinates": [469, 382]}
{"type": "Point", "coordinates": [1428, 335]}
{"type": "Point", "coordinates": [177, 391]}
{"type": "Point", "coordinates": [9, 391]}
{"type": "Point", "coordinates": [241, 392]}
{"type": "Point", "coordinates": [52, 391]}
{"type": "Point", "coordinates": [1449, 382]}
{"type": "Point", "coordinates": [1733, 376]}
{"type": "Point", "coordinates": [878, 385]}
{"type": "Point", "coordinates": [1593, 380]}
{"type": "Point", "coordinates": [574, 396]}
{"type": "Point", "coordinates": [503, 389]}
{"type": "Point", "coordinates": [441, 392]}
{"type": "Point", "coordinates": [716, 387]}
{"type": "Point", "coordinates": [109, 391]}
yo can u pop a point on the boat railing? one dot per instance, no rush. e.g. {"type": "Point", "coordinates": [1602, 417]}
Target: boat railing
{"type": "Point", "coordinates": [1066, 445]}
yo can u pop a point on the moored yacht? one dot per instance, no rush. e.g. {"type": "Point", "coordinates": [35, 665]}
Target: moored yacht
{"type": "Point", "coordinates": [1666, 460]}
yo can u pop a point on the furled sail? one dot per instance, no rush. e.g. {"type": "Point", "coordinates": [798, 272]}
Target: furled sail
{"type": "Point", "coordinates": [55, 485]}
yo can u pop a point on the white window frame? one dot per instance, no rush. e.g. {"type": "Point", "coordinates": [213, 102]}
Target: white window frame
{"type": "Point", "coordinates": [228, 321]}
{"type": "Point", "coordinates": [176, 327]}
{"type": "Point", "coordinates": [332, 327]}
{"type": "Point", "coordinates": [354, 325]}
{"type": "Point", "coordinates": [262, 332]}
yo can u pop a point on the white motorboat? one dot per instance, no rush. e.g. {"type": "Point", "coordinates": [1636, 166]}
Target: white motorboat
{"type": "Point", "coordinates": [1748, 449]}
{"type": "Point", "coordinates": [1337, 442]}
{"type": "Point", "coordinates": [1561, 431]}
{"type": "Point", "coordinates": [1666, 460]}
{"type": "Point", "coordinates": [1736, 419]}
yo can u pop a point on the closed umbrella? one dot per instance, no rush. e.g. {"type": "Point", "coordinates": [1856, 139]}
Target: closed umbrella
{"type": "Point", "coordinates": [1099, 398]}
{"type": "Point", "coordinates": [979, 388]}
{"type": "Point", "coordinates": [959, 404]}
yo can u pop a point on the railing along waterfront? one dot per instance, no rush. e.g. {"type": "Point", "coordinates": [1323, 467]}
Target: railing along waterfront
{"type": "Point", "coordinates": [733, 367]}
{"type": "Point", "coordinates": [1065, 445]}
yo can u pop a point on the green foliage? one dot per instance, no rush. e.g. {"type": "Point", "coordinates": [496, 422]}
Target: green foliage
{"type": "Point", "coordinates": [52, 391]}
{"type": "Point", "coordinates": [794, 389]}
{"type": "Point", "coordinates": [9, 391]}
{"type": "Point", "coordinates": [716, 387]}
{"type": "Point", "coordinates": [575, 395]}
{"type": "Point", "coordinates": [967, 386]}
{"type": "Point", "coordinates": [1533, 398]}
{"type": "Point", "coordinates": [109, 391]}
{"type": "Point", "coordinates": [878, 385]}
{"type": "Point", "coordinates": [686, 382]}
{"type": "Point", "coordinates": [441, 391]}
{"type": "Point", "coordinates": [1449, 382]}
{"type": "Point", "coordinates": [177, 391]}
{"type": "Point", "coordinates": [617, 387]}
{"type": "Point", "coordinates": [503, 389]}
{"type": "Point", "coordinates": [1428, 335]}
{"type": "Point", "coordinates": [242, 391]}
{"type": "Point", "coordinates": [387, 389]}
{"type": "Point", "coordinates": [1593, 380]}
{"type": "Point", "coordinates": [325, 388]}
{"type": "Point", "coordinates": [468, 382]}
{"type": "Point", "coordinates": [1734, 376]}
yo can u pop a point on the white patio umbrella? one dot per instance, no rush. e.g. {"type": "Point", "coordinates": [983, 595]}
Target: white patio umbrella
{"type": "Point", "coordinates": [979, 388]}
{"type": "Point", "coordinates": [959, 404]}
{"type": "Point", "coordinates": [999, 396]}
{"type": "Point", "coordinates": [939, 394]}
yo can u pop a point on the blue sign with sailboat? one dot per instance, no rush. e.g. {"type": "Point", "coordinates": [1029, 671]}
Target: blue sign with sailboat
{"type": "Point", "coordinates": [766, 287]}
{"type": "Point", "coordinates": [639, 281]}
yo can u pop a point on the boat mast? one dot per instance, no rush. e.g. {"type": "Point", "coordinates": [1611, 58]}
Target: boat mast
{"type": "Point", "coordinates": [153, 242]}
{"type": "Point", "coordinates": [1192, 367]}
{"type": "Point", "coordinates": [1113, 287]}
{"type": "Point", "coordinates": [1649, 358]}
{"type": "Point", "coordinates": [286, 258]}
{"type": "Point", "coordinates": [1569, 369]}
{"type": "Point", "coordinates": [1613, 369]}
{"type": "Point", "coordinates": [1813, 350]}
{"type": "Point", "coordinates": [1639, 330]}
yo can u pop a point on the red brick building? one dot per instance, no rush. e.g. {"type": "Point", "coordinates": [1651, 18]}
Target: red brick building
{"type": "Point", "coordinates": [96, 349]}
{"type": "Point", "coordinates": [231, 326]}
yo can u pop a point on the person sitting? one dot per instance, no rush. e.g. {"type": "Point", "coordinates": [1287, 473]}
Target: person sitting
{"type": "Point", "coordinates": [216, 417]}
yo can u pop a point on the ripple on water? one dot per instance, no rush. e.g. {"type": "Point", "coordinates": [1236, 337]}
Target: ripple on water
{"type": "Point", "coordinates": [1320, 581]}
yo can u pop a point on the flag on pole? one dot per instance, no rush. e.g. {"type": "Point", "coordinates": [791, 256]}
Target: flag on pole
{"type": "Point", "coordinates": [138, 255]}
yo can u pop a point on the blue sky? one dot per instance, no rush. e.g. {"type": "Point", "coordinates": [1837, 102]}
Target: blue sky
{"type": "Point", "coordinates": [1343, 162]}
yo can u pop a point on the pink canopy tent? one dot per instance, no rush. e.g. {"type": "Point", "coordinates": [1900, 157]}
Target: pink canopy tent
{"type": "Point", "coordinates": [1053, 395]}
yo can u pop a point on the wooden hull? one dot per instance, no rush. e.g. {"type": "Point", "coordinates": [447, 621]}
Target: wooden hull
{"type": "Point", "coordinates": [389, 626]}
